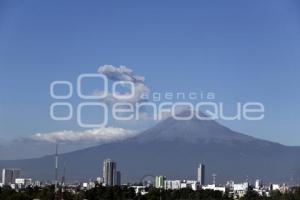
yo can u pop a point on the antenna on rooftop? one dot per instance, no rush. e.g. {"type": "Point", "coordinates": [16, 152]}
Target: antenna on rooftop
{"type": "Point", "coordinates": [56, 166]}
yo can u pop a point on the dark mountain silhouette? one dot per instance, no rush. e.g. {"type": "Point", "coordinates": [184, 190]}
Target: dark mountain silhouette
{"type": "Point", "coordinates": [175, 148]}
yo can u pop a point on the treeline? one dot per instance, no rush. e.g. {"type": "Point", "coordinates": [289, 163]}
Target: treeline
{"type": "Point", "coordinates": [127, 193]}
{"type": "Point", "coordinates": [294, 194]}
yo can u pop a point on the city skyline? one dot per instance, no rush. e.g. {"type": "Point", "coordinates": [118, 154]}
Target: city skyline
{"type": "Point", "coordinates": [13, 179]}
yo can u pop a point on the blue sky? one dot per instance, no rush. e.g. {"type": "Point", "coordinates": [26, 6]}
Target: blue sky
{"type": "Point", "coordinates": [241, 50]}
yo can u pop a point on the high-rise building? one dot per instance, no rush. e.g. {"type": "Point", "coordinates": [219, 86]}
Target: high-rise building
{"type": "Point", "coordinates": [118, 178]}
{"type": "Point", "coordinates": [160, 181]}
{"type": "Point", "coordinates": [201, 174]}
{"type": "Point", "coordinates": [109, 172]}
{"type": "Point", "coordinates": [10, 175]}
{"type": "Point", "coordinates": [7, 175]}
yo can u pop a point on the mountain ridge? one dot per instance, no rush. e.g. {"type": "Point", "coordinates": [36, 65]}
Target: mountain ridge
{"type": "Point", "coordinates": [175, 148]}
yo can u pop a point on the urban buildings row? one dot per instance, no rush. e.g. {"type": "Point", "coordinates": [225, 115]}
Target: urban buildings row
{"type": "Point", "coordinates": [12, 177]}
{"type": "Point", "coordinates": [236, 190]}
{"type": "Point", "coordinates": [112, 177]}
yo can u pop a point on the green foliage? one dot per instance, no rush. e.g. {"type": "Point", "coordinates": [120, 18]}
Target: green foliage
{"type": "Point", "coordinates": [251, 195]}
{"type": "Point", "coordinates": [127, 193]}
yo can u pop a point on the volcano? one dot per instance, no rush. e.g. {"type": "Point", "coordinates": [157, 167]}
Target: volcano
{"type": "Point", "coordinates": [174, 148]}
